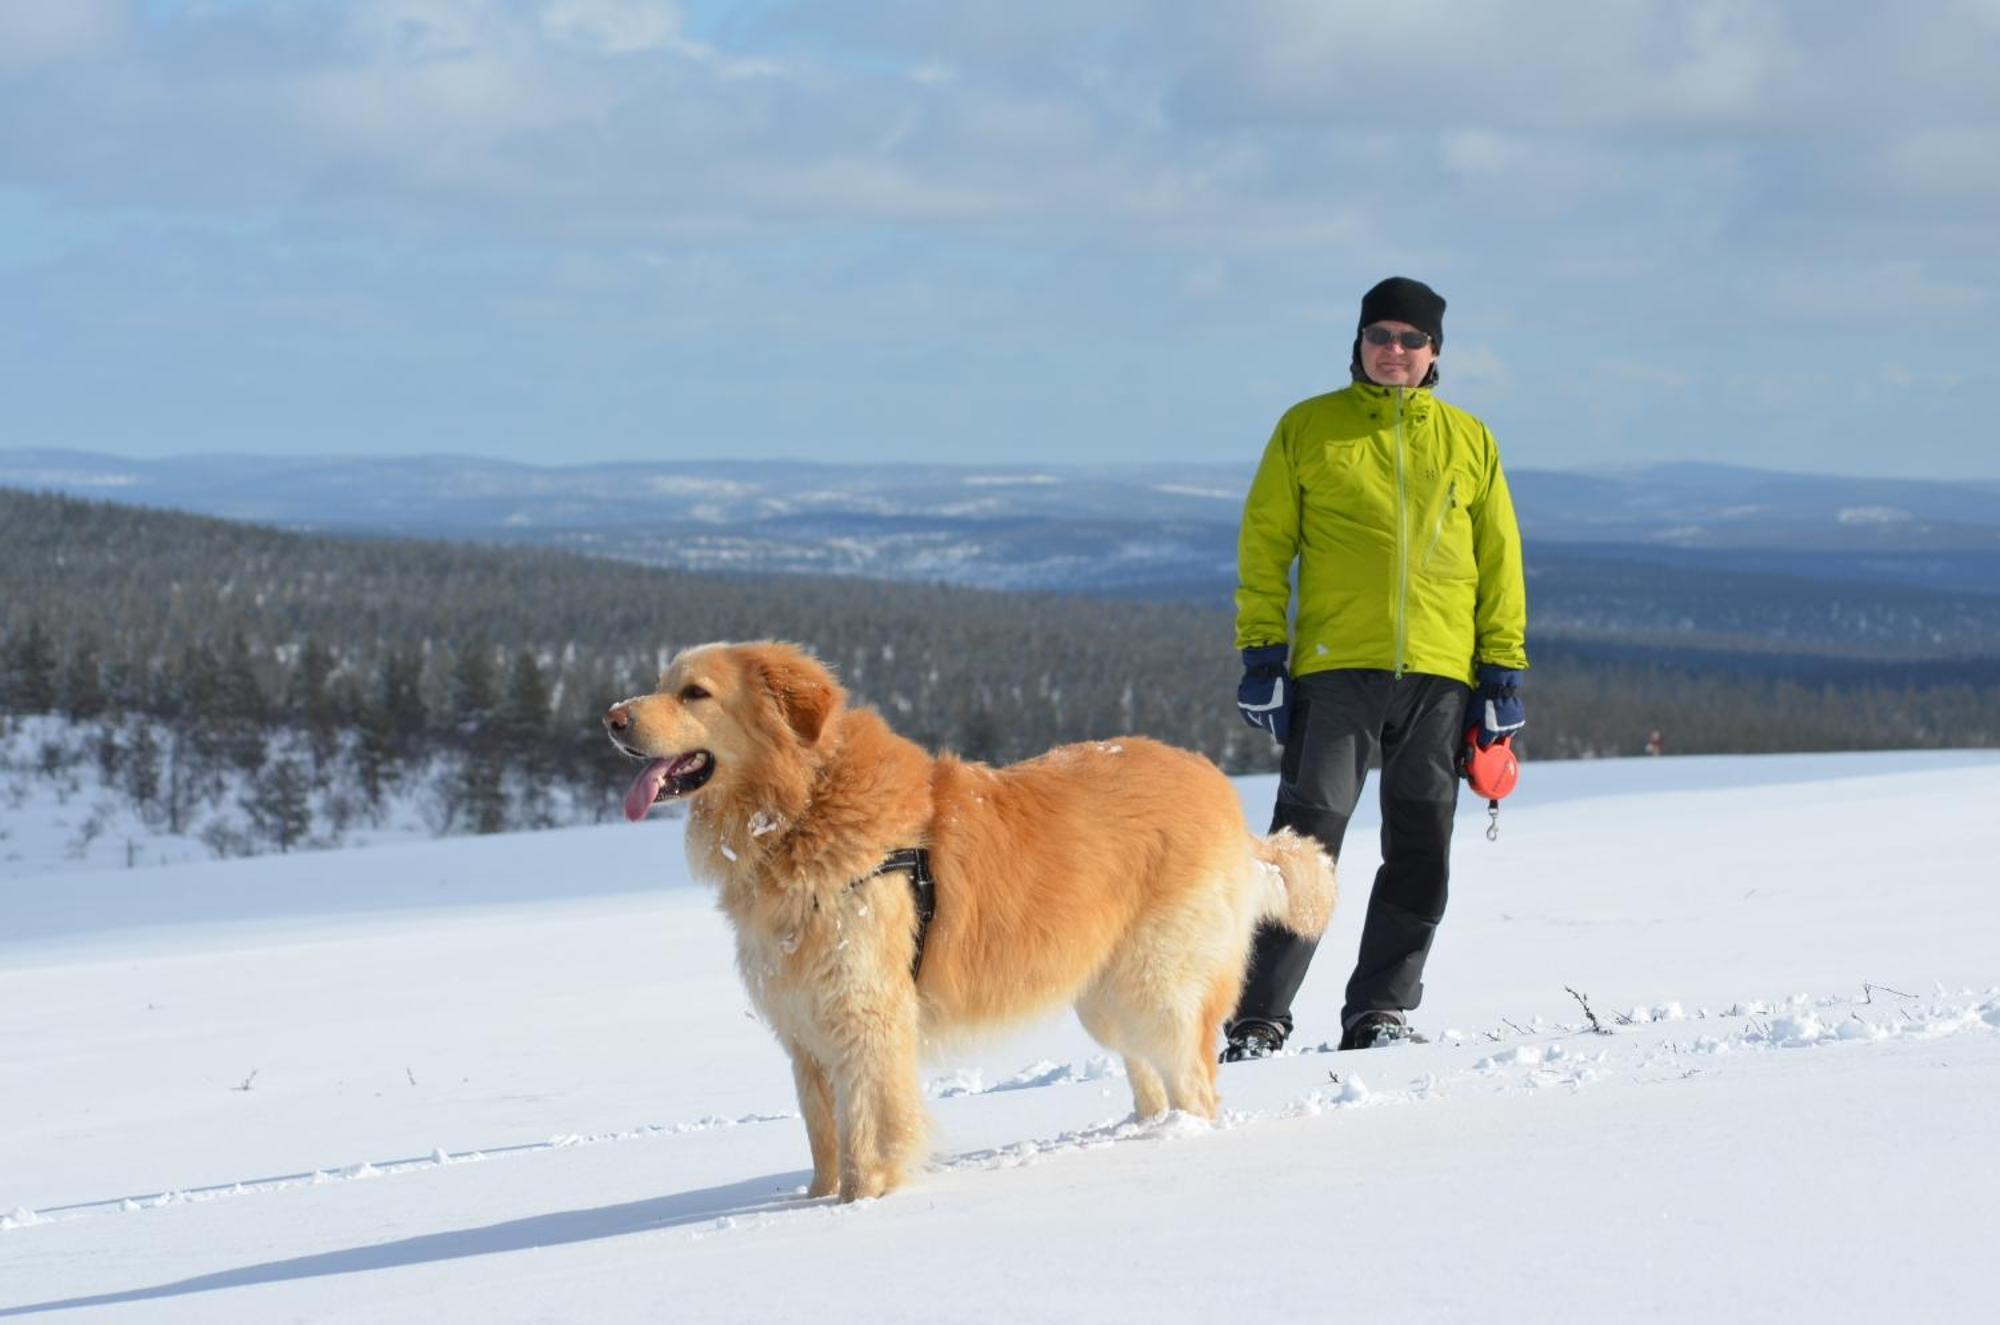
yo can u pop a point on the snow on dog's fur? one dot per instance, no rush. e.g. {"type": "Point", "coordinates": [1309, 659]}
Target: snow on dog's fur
{"type": "Point", "coordinates": [1116, 876]}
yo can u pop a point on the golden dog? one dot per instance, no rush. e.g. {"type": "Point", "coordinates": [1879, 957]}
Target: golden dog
{"type": "Point", "coordinates": [1116, 876]}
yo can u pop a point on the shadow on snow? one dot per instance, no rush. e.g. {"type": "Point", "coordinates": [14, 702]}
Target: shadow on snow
{"type": "Point", "coordinates": [754, 1196]}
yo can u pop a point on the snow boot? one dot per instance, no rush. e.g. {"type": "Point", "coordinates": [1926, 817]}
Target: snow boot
{"type": "Point", "coordinates": [1252, 1038]}
{"type": "Point", "coordinates": [1375, 1030]}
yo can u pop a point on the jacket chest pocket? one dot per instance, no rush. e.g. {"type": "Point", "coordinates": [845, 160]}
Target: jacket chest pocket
{"type": "Point", "coordinates": [1341, 477]}
{"type": "Point", "coordinates": [1447, 552]}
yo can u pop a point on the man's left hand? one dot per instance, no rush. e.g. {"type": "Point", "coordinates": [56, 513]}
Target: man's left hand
{"type": "Point", "coordinates": [1496, 704]}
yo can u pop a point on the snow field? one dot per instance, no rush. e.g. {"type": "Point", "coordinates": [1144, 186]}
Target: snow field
{"type": "Point", "coordinates": [514, 1080]}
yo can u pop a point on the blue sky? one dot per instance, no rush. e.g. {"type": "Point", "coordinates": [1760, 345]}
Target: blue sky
{"type": "Point", "coordinates": [1094, 230]}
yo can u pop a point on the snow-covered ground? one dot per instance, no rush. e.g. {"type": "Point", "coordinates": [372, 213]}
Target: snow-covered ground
{"type": "Point", "coordinates": [514, 1079]}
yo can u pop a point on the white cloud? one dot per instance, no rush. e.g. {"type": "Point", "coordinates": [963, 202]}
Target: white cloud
{"type": "Point", "coordinates": [35, 33]}
{"type": "Point", "coordinates": [403, 30]}
{"type": "Point", "coordinates": [1947, 160]}
{"type": "Point", "coordinates": [1280, 124]}
{"type": "Point", "coordinates": [1729, 65]}
{"type": "Point", "coordinates": [418, 130]}
{"type": "Point", "coordinates": [1207, 281]}
{"type": "Point", "coordinates": [1475, 366]}
{"type": "Point", "coordinates": [1638, 372]}
{"type": "Point", "coordinates": [1495, 64]}
{"type": "Point", "coordinates": [1481, 153]}
{"type": "Point", "coordinates": [1900, 377]}
{"type": "Point", "coordinates": [1627, 168]}
{"type": "Point", "coordinates": [615, 27]}
{"type": "Point", "coordinates": [1874, 294]}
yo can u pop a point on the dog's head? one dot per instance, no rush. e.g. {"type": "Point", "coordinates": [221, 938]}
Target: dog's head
{"type": "Point", "coordinates": [723, 712]}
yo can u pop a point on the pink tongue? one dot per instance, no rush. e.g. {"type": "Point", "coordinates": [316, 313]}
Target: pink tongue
{"type": "Point", "coordinates": [646, 789]}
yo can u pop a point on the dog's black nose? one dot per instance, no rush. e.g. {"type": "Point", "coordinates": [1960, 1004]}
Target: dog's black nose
{"type": "Point", "coordinates": [618, 717]}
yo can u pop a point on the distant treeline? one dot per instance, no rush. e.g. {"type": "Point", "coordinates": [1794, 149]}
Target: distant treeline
{"type": "Point", "coordinates": [389, 653]}
{"type": "Point", "coordinates": [374, 654]}
{"type": "Point", "coordinates": [1730, 602]}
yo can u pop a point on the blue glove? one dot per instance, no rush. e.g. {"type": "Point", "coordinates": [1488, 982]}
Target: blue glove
{"type": "Point", "coordinates": [1496, 704]}
{"type": "Point", "coordinates": [1264, 697]}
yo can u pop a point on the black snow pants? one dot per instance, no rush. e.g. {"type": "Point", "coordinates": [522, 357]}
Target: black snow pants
{"type": "Point", "coordinates": [1341, 722]}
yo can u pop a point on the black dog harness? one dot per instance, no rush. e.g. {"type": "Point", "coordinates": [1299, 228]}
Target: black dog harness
{"type": "Point", "coordinates": [923, 891]}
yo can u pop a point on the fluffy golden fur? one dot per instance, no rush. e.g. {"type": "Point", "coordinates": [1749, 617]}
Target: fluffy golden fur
{"type": "Point", "coordinates": [1118, 877]}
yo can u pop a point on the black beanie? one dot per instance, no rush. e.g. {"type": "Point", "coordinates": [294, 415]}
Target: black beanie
{"type": "Point", "coordinates": [1400, 299]}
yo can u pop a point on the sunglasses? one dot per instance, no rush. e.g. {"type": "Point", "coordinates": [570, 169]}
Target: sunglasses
{"type": "Point", "coordinates": [1409, 340]}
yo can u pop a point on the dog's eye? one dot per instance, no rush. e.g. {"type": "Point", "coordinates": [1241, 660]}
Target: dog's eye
{"type": "Point", "coordinates": [691, 693]}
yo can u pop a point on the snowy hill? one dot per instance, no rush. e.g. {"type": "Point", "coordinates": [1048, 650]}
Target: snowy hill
{"type": "Point", "coordinates": [1158, 530]}
{"type": "Point", "coordinates": [514, 1078]}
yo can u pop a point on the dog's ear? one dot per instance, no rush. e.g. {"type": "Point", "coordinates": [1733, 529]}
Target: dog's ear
{"type": "Point", "coordinates": [806, 693]}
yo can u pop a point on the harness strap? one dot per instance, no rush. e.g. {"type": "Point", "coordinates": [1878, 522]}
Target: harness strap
{"type": "Point", "coordinates": [923, 891]}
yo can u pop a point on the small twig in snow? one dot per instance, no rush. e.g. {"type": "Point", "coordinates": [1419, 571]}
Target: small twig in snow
{"type": "Point", "coordinates": [411, 1075]}
{"type": "Point", "coordinates": [1869, 990]}
{"type": "Point", "coordinates": [247, 1080]}
{"type": "Point", "coordinates": [1595, 1025]}
{"type": "Point", "coordinates": [1517, 1029]}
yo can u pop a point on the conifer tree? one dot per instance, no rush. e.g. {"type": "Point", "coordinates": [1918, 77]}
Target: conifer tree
{"type": "Point", "coordinates": [474, 689]}
{"type": "Point", "coordinates": [30, 673]}
{"type": "Point", "coordinates": [141, 768]}
{"type": "Point", "coordinates": [184, 779]}
{"type": "Point", "coordinates": [278, 805]}
{"type": "Point", "coordinates": [375, 752]}
{"type": "Point", "coordinates": [306, 683]}
{"type": "Point", "coordinates": [242, 714]}
{"type": "Point", "coordinates": [83, 696]}
{"type": "Point", "coordinates": [479, 793]}
{"type": "Point", "coordinates": [192, 697]}
{"type": "Point", "coordinates": [400, 697]}
{"type": "Point", "coordinates": [310, 702]}
{"type": "Point", "coordinates": [523, 719]}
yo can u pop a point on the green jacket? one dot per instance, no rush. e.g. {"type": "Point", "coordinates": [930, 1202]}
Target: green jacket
{"type": "Point", "coordinates": [1394, 507]}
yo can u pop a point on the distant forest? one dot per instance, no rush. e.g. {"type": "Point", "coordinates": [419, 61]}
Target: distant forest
{"type": "Point", "coordinates": [357, 660]}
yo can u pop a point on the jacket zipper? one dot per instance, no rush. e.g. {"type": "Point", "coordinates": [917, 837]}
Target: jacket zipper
{"type": "Point", "coordinates": [1402, 543]}
{"type": "Point", "coordinates": [1437, 532]}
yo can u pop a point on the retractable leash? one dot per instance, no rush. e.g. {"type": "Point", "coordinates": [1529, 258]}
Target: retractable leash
{"type": "Point", "coordinates": [1491, 773]}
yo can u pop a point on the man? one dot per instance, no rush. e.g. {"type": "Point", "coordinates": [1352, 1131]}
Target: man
{"type": "Point", "coordinates": [1411, 605]}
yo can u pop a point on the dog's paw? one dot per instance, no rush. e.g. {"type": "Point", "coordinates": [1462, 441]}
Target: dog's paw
{"type": "Point", "coordinates": [866, 1186]}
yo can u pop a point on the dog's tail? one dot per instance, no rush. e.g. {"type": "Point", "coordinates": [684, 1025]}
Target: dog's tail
{"type": "Point", "coordinates": [1299, 878]}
